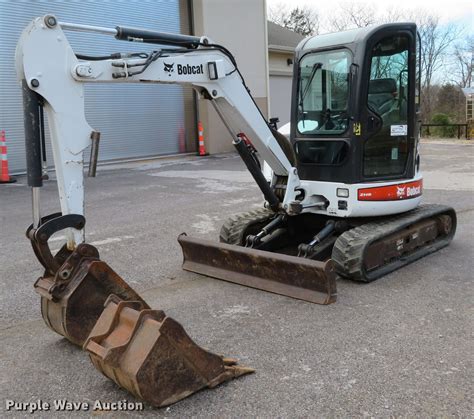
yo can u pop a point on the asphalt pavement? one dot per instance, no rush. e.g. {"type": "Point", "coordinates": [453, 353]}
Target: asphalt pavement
{"type": "Point", "coordinates": [400, 346]}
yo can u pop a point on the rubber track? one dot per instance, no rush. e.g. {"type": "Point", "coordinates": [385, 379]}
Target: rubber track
{"type": "Point", "coordinates": [232, 231]}
{"type": "Point", "coordinates": [349, 249]}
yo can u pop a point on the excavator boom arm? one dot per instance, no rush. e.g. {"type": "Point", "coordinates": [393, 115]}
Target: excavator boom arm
{"type": "Point", "coordinates": [52, 72]}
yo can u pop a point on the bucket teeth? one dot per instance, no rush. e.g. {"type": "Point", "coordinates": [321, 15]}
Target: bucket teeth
{"type": "Point", "coordinates": [151, 355]}
{"type": "Point", "coordinates": [73, 299]}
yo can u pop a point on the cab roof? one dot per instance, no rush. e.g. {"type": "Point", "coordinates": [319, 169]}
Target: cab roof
{"type": "Point", "coordinates": [345, 37]}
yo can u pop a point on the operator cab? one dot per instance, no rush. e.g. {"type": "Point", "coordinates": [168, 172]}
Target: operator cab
{"type": "Point", "coordinates": [353, 105]}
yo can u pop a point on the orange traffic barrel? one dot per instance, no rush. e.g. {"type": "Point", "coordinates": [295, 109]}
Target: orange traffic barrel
{"type": "Point", "coordinates": [4, 175]}
{"type": "Point", "coordinates": [202, 147]}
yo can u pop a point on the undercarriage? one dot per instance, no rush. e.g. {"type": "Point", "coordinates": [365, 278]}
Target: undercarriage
{"type": "Point", "coordinates": [278, 249]}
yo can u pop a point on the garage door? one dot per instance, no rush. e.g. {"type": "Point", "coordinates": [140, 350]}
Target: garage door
{"type": "Point", "coordinates": [280, 98]}
{"type": "Point", "coordinates": [134, 120]}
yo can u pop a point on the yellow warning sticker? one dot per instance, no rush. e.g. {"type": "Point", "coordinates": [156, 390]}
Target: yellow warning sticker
{"type": "Point", "coordinates": [357, 128]}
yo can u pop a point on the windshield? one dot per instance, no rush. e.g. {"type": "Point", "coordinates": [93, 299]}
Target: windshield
{"type": "Point", "coordinates": [323, 93]}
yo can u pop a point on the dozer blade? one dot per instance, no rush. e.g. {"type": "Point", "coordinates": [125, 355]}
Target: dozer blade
{"type": "Point", "coordinates": [151, 355]}
{"type": "Point", "coordinates": [291, 276]}
{"type": "Point", "coordinates": [73, 298]}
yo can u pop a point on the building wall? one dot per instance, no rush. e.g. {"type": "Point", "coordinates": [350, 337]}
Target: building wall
{"type": "Point", "coordinates": [278, 63]}
{"type": "Point", "coordinates": [281, 76]}
{"type": "Point", "coordinates": [280, 98]}
{"type": "Point", "coordinates": [135, 120]}
{"type": "Point", "coordinates": [240, 26]}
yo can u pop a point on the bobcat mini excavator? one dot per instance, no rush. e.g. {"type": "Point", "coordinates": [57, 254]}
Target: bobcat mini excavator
{"type": "Point", "coordinates": [342, 192]}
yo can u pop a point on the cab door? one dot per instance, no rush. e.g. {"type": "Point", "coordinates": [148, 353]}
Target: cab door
{"type": "Point", "coordinates": [389, 141]}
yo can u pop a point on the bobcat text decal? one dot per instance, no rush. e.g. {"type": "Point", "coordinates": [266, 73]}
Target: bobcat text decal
{"type": "Point", "coordinates": [183, 69]}
{"type": "Point", "coordinates": [190, 69]}
{"type": "Point", "coordinates": [391, 192]}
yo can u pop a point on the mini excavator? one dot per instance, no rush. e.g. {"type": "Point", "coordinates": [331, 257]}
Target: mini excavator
{"type": "Point", "coordinates": [342, 191]}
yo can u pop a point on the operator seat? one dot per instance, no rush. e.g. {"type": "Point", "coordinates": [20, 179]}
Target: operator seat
{"type": "Point", "coordinates": [382, 95]}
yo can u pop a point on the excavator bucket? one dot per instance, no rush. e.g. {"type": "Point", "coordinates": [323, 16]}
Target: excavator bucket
{"type": "Point", "coordinates": [294, 277]}
{"type": "Point", "coordinates": [150, 354]}
{"type": "Point", "coordinates": [72, 299]}
{"type": "Point", "coordinates": [141, 349]}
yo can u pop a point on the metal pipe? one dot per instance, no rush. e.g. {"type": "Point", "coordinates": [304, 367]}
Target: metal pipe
{"type": "Point", "coordinates": [307, 250]}
{"type": "Point", "coordinates": [31, 116]}
{"type": "Point", "coordinates": [35, 204]}
{"type": "Point", "coordinates": [325, 232]}
{"type": "Point", "coordinates": [88, 28]}
{"type": "Point", "coordinates": [252, 240]}
{"type": "Point", "coordinates": [43, 143]}
{"type": "Point", "coordinates": [126, 33]}
{"type": "Point", "coordinates": [95, 138]}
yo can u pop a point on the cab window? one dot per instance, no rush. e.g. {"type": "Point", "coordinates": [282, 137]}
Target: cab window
{"type": "Point", "coordinates": [323, 93]}
{"type": "Point", "coordinates": [386, 151]}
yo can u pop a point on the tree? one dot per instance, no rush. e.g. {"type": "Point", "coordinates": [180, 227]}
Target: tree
{"type": "Point", "coordinates": [463, 58]}
{"type": "Point", "coordinates": [277, 12]}
{"type": "Point", "coordinates": [302, 20]}
{"type": "Point", "coordinates": [450, 101]}
{"type": "Point", "coordinates": [352, 15]}
{"type": "Point", "coordinates": [442, 119]}
{"type": "Point", "coordinates": [435, 43]}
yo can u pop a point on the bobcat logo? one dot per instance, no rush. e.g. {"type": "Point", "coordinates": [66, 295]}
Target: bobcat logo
{"type": "Point", "coordinates": [169, 68]}
{"type": "Point", "coordinates": [401, 191]}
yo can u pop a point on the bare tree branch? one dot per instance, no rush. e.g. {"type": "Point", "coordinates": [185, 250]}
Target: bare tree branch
{"type": "Point", "coordinates": [352, 15]}
{"type": "Point", "coordinates": [276, 13]}
{"type": "Point", "coordinates": [302, 20]}
{"type": "Point", "coordinates": [463, 60]}
{"type": "Point", "coordinates": [435, 42]}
